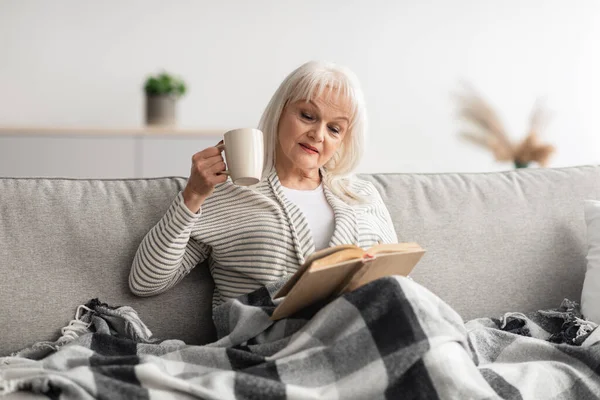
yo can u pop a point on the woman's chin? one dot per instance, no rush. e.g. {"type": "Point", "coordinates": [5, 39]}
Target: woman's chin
{"type": "Point", "coordinates": [304, 164]}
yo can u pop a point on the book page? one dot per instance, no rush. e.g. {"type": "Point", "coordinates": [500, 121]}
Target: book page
{"type": "Point", "coordinates": [338, 257]}
{"type": "Point", "coordinates": [393, 248]}
{"type": "Point", "coordinates": [314, 286]}
{"type": "Point", "coordinates": [317, 255]}
{"type": "Point", "coordinates": [385, 265]}
{"type": "Point", "coordinates": [309, 260]}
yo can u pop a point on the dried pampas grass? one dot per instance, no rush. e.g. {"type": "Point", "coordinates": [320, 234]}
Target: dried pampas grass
{"type": "Point", "coordinates": [491, 134]}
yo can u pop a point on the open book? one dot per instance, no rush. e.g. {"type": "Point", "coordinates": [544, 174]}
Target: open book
{"type": "Point", "coordinates": [336, 270]}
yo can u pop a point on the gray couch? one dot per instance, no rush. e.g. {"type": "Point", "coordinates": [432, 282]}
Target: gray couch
{"type": "Point", "coordinates": [496, 242]}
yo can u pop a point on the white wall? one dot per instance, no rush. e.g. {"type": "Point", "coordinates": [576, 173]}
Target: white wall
{"type": "Point", "coordinates": [73, 62]}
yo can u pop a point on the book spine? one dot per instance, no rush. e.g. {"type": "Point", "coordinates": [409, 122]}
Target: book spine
{"type": "Point", "coordinates": [348, 284]}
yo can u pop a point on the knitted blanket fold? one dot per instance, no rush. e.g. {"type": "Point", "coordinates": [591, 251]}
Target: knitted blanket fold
{"type": "Point", "coordinates": [391, 338]}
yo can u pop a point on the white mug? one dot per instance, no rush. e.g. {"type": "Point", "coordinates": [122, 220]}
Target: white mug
{"type": "Point", "coordinates": [244, 155]}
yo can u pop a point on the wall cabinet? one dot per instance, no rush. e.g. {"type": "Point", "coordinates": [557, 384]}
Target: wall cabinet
{"type": "Point", "coordinates": [101, 153]}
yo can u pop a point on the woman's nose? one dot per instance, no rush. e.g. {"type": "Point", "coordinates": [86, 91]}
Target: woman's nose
{"type": "Point", "coordinates": [318, 133]}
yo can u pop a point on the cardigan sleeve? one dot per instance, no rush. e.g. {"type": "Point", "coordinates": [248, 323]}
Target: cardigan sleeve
{"type": "Point", "coordinates": [167, 253]}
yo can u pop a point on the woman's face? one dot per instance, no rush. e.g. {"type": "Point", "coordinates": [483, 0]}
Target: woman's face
{"type": "Point", "coordinates": [310, 133]}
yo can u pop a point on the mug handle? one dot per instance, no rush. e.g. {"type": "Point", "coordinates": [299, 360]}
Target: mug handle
{"type": "Point", "coordinates": [221, 147]}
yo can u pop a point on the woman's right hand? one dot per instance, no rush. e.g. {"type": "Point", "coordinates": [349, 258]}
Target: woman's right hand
{"type": "Point", "coordinates": [206, 172]}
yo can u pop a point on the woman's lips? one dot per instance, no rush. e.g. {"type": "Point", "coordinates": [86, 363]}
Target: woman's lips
{"type": "Point", "coordinates": [308, 148]}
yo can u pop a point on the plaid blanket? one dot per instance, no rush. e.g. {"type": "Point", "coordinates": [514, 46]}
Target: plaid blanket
{"type": "Point", "coordinates": [389, 339]}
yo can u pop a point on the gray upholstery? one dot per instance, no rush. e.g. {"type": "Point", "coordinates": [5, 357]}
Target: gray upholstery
{"type": "Point", "coordinates": [504, 241]}
{"type": "Point", "coordinates": [496, 242]}
{"type": "Point", "coordinates": [63, 242]}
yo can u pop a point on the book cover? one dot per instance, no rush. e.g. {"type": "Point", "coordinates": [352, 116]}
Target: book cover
{"type": "Point", "coordinates": [340, 269]}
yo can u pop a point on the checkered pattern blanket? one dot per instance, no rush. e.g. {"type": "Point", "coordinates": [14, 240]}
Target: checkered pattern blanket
{"type": "Point", "coordinates": [389, 339]}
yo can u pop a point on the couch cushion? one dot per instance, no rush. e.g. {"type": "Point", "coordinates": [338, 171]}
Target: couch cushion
{"type": "Point", "coordinates": [65, 241]}
{"type": "Point", "coordinates": [590, 294]}
{"type": "Point", "coordinates": [496, 242]}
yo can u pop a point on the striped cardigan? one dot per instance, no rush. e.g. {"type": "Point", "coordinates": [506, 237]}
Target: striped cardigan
{"type": "Point", "coordinates": [250, 236]}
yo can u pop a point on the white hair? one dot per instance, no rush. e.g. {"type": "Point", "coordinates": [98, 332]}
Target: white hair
{"type": "Point", "coordinates": [305, 83]}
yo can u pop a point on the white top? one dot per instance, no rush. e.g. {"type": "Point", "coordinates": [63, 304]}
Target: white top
{"type": "Point", "coordinates": [317, 211]}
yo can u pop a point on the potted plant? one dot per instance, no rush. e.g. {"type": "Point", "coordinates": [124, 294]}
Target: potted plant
{"type": "Point", "coordinates": [162, 92]}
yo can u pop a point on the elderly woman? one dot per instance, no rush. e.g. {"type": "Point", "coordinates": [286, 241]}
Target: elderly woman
{"type": "Point", "coordinates": [314, 129]}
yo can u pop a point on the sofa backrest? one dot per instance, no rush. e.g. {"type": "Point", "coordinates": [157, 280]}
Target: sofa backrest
{"type": "Point", "coordinates": [496, 242]}
{"type": "Point", "coordinates": [66, 241]}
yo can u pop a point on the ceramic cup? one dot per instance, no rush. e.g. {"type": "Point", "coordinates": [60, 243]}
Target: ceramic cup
{"type": "Point", "coordinates": [244, 155]}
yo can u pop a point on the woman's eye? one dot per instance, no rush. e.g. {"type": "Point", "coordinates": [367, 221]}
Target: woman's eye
{"type": "Point", "coordinates": [307, 116]}
{"type": "Point", "coordinates": [334, 129]}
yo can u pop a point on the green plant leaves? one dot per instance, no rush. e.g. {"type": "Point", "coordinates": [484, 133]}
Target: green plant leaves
{"type": "Point", "coordinates": [164, 84]}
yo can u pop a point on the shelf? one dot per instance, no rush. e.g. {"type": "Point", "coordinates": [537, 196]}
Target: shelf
{"type": "Point", "coordinates": [109, 131]}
